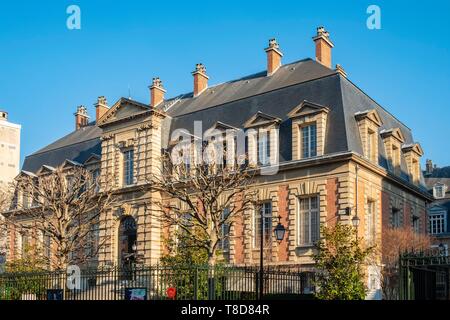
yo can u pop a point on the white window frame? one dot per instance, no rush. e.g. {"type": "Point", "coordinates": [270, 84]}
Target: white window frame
{"type": "Point", "coordinates": [438, 217]}
{"type": "Point", "coordinates": [311, 148]}
{"type": "Point", "coordinates": [300, 219]}
{"type": "Point", "coordinates": [435, 192]}
{"type": "Point", "coordinates": [263, 147]}
{"type": "Point", "coordinates": [225, 230]}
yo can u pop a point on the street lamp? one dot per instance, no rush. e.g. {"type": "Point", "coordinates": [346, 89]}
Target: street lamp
{"type": "Point", "coordinates": [355, 221]}
{"type": "Point", "coordinates": [279, 231]}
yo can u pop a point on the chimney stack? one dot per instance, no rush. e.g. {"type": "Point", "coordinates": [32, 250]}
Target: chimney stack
{"type": "Point", "coordinates": [157, 92]}
{"type": "Point", "coordinates": [274, 56]}
{"type": "Point", "coordinates": [429, 167]}
{"type": "Point", "coordinates": [200, 79]}
{"type": "Point", "coordinates": [81, 117]}
{"type": "Point", "coordinates": [323, 47]}
{"type": "Point", "coordinates": [101, 107]}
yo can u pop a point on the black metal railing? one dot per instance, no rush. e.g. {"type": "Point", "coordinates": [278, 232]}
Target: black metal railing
{"type": "Point", "coordinates": [158, 283]}
{"type": "Point", "coordinates": [424, 275]}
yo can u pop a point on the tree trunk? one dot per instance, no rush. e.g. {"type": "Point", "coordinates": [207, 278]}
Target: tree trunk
{"type": "Point", "coordinates": [211, 275]}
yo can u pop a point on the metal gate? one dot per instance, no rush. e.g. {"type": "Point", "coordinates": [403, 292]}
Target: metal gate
{"type": "Point", "coordinates": [424, 275]}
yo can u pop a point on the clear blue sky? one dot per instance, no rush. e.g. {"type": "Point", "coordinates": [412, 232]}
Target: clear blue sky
{"type": "Point", "coordinates": [47, 70]}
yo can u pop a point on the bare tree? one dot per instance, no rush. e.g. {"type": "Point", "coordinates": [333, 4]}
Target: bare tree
{"type": "Point", "coordinates": [60, 212]}
{"type": "Point", "coordinates": [202, 199]}
{"type": "Point", "coordinates": [5, 202]}
{"type": "Point", "coordinates": [395, 241]}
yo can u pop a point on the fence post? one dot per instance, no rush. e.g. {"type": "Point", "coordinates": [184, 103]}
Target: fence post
{"type": "Point", "coordinates": [196, 284]}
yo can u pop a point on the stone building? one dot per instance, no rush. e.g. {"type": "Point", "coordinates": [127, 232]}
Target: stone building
{"type": "Point", "coordinates": [9, 149]}
{"type": "Point", "coordinates": [339, 154]}
{"type": "Point", "coordinates": [9, 162]}
{"type": "Point", "coordinates": [438, 183]}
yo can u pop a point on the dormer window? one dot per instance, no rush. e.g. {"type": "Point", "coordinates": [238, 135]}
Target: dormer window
{"type": "Point", "coordinates": [309, 123]}
{"type": "Point", "coordinates": [309, 140]}
{"type": "Point", "coordinates": [413, 153]}
{"type": "Point", "coordinates": [393, 140]}
{"type": "Point", "coordinates": [439, 191]}
{"type": "Point", "coordinates": [262, 139]}
{"type": "Point", "coordinates": [369, 122]}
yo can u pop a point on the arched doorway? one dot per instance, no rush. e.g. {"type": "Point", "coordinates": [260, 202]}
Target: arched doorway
{"type": "Point", "coordinates": [127, 239]}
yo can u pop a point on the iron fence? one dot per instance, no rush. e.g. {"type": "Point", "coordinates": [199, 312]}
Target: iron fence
{"type": "Point", "coordinates": [424, 275]}
{"type": "Point", "coordinates": [158, 283]}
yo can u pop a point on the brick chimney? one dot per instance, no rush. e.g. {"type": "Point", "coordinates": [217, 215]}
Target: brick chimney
{"type": "Point", "coordinates": [323, 47]}
{"type": "Point", "coordinates": [81, 117]}
{"type": "Point", "coordinates": [101, 107]}
{"type": "Point", "coordinates": [157, 92]}
{"type": "Point", "coordinates": [274, 56]}
{"type": "Point", "coordinates": [200, 79]}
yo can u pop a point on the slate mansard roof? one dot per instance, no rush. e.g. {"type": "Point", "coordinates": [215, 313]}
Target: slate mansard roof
{"type": "Point", "coordinates": [234, 102]}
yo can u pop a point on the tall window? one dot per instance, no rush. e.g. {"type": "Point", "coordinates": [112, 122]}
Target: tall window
{"type": "Point", "coordinates": [437, 223]}
{"type": "Point", "coordinates": [266, 231]}
{"type": "Point", "coordinates": [264, 148]}
{"type": "Point", "coordinates": [47, 246]}
{"type": "Point", "coordinates": [415, 170]}
{"type": "Point", "coordinates": [128, 167]}
{"type": "Point", "coordinates": [25, 199]}
{"type": "Point", "coordinates": [308, 220]}
{"type": "Point", "coordinates": [370, 216]}
{"type": "Point", "coordinates": [309, 141]}
{"type": "Point", "coordinates": [395, 159]}
{"type": "Point", "coordinates": [396, 218]}
{"type": "Point", "coordinates": [25, 244]}
{"type": "Point", "coordinates": [371, 145]}
{"type": "Point", "coordinates": [96, 179]}
{"type": "Point", "coordinates": [225, 242]}
{"type": "Point", "coordinates": [416, 224]}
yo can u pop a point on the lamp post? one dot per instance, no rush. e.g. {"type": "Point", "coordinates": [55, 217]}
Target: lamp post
{"type": "Point", "coordinates": [279, 232]}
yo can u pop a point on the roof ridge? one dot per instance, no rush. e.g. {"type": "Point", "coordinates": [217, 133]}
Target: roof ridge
{"type": "Point", "coordinates": [247, 77]}
{"type": "Point", "coordinates": [260, 93]}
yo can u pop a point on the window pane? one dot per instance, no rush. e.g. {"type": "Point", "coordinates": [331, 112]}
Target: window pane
{"type": "Point", "coordinates": [313, 141]}
{"type": "Point", "coordinates": [305, 142]}
{"type": "Point", "coordinates": [266, 211]}
{"type": "Point", "coordinates": [128, 167]}
{"type": "Point", "coordinates": [309, 220]}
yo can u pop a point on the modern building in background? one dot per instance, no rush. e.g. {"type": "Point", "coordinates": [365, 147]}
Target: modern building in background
{"type": "Point", "coordinates": [438, 183]}
{"type": "Point", "coordinates": [9, 163]}
{"type": "Point", "coordinates": [9, 149]}
{"type": "Point", "coordinates": [340, 155]}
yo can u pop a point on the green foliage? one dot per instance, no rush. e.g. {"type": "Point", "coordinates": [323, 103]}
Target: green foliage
{"type": "Point", "coordinates": [23, 276]}
{"type": "Point", "coordinates": [186, 269]}
{"type": "Point", "coordinates": [339, 260]}
{"type": "Point", "coordinates": [32, 260]}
